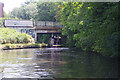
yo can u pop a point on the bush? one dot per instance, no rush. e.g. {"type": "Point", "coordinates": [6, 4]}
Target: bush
{"type": "Point", "coordinates": [12, 36]}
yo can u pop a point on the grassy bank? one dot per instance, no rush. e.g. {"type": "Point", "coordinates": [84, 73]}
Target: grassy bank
{"type": "Point", "coordinates": [22, 46]}
{"type": "Point", "coordinates": [12, 39]}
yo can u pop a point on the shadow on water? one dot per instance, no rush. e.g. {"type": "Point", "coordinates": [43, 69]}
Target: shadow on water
{"type": "Point", "coordinates": [56, 62]}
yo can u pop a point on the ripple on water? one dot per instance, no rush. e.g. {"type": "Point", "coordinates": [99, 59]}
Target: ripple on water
{"type": "Point", "coordinates": [55, 63]}
{"type": "Point", "coordinates": [42, 73]}
{"type": "Point", "coordinates": [25, 58]}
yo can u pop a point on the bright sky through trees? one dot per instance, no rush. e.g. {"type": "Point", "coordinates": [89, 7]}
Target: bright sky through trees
{"type": "Point", "coordinates": [10, 4]}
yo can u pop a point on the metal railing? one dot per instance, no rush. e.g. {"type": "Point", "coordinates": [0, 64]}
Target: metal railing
{"type": "Point", "coordinates": [47, 24]}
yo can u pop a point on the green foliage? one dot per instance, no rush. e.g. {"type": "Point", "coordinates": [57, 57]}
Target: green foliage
{"type": "Point", "coordinates": [44, 38]}
{"type": "Point", "coordinates": [35, 10]}
{"type": "Point", "coordinates": [46, 11]}
{"type": "Point", "coordinates": [91, 26]}
{"type": "Point", "coordinates": [1, 22]}
{"type": "Point", "coordinates": [26, 11]}
{"type": "Point", "coordinates": [12, 36]}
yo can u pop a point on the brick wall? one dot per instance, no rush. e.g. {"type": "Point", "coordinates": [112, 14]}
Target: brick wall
{"type": "Point", "coordinates": [1, 9]}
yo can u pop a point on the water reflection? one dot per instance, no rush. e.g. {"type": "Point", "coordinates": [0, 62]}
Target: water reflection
{"type": "Point", "coordinates": [82, 65]}
{"type": "Point", "coordinates": [55, 62]}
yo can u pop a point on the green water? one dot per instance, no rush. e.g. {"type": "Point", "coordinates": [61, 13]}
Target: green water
{"type": "Point", "coordinates": [55, 62]}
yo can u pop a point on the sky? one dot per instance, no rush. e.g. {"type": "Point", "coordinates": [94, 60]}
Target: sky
{"type": "Point", "coordinates": [10, 4]}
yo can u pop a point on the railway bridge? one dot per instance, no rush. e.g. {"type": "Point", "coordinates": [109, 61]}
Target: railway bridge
{"type": "Point", "coordinates": [34, 28]}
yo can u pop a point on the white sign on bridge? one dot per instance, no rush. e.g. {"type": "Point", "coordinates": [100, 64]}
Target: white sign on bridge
{"type": "Point", "coordinates": [16, 23]}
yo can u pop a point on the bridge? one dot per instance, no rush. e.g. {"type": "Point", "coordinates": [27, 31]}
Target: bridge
{"type": "Point", "coordinates": [34, 28]}
{"type": "Point", "coordinates": [47, 27]}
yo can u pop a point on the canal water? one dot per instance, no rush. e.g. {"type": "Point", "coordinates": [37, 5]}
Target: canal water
{"type": "Point", "coordinates": [57, 63]}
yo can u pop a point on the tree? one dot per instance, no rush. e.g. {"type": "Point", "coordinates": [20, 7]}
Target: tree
{"type": "Point", "coordinates": [46, 11]}
{"type": "Point", "coordinates": [26, 11]}
{"type": "Point", "coordinates": [91, 26]}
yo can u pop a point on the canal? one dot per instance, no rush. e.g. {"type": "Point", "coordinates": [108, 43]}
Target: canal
{"type": "Point", "coordinates": [57, 63]}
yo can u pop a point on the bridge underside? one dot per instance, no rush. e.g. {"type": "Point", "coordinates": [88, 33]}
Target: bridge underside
{"type": "Point", "coordinates": [45, 30]}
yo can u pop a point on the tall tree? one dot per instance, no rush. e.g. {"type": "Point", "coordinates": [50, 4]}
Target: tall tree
{"type": "Point", "coordinates": [91, 26]}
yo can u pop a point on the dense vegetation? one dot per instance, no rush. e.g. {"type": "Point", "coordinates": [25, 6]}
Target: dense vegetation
{"type": "Point", "coordinates": [44, 38]}
{"type": "Point", "coordinates": [46, 12]}
{"type": "Point", "coordinates": [35, 10]}
{"type": "Point", "coordinates": [13, 36]}
{"type": "Point", "coordinates": [1, 22]}
{"type": "Point", "coordinates": [87, 26]}
{"type": "Point", "coordinates": [91, 26]}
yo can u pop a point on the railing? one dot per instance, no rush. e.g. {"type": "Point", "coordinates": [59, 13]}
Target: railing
{"type": "Point", "coordinates": [47, 24]}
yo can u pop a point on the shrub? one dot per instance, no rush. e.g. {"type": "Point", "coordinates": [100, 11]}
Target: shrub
{"type": "Point", "coordinates": [12, 36]}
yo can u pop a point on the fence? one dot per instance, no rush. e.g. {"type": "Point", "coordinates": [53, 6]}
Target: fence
{"type": "Point", "coordinates": [47, 24]}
